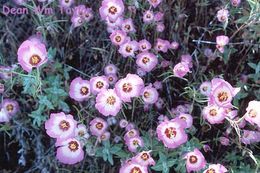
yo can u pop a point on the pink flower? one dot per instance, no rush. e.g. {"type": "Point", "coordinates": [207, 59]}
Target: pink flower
{"type": "Point", "coordinates": [128, 26]}
{"type": "Point", "coordinates": [144, 158]}
{"type": "Point", "coordinates": [195, 161]}
{"type": "Point", "coordinates": [81, 14]}
{"type": "Point", "coordinates": [187, 118]}
{"type": "Point", "coordinates": [69, 151]}
{"type": "Point", "coordinates": [235, 3]}
{"type": "Point", "coordinates": [216, 168]}
{"type": "Point", "coordinates": [31, 54]}
{"type": "Point", "coordinates": [181, 69]}
{"type": "Point", "coordinates": [140, 72]}
{"type": "Point", "coordinates": [4, 117]}
{"type": "Point", "coordinates": [221, 42]}
{"type": "Point", "coordinates": [132, 167]}
{"type": "Point", "coordinates": [154, 3]}
{"type": "Point", "coordinates": [118, 37]}
{"type": "Point", "coordinates": [182, 109]}
{"type": "Point", "coordinates": [130, 126]}
{"type": "Point", "coordinates": [148, 16]}
{"type": "Point", "coordinates": [76, 21]}
{"type": "Point", "coordinates": [187, 59]}
{"type": "Point", "coordinates": [214, 114]}
{"type": "Point", "coordinates": [205, 88]}
{"type": "Point", "coordinates": [66, 3]}
{"type": "Point", "coordinates": [162, 45]}
{"type": "Point", "coordinates": [157, 85]}
{"type": "Point", "coordinates": [129, 87]}
{"type": "Point", "coordinates": [60, 126]}
{"type": "Point", "coordinates": [222, 93]}
{"type": "Point", "coordinates": [222, 15]}
{"type": "Point", "coordinates": [172, 133]}
{"type": "Point", "coordinates": [108, 102]}
{"type": "Point", "coordinates": [112, 78]}
{"type": "Point", "coordinates": [253, 113]}
{"type": "Point", "coordinates": [5, 72]}
{"type": "Point", "coordinates": [111, 9]}
{"type": "Point", "coordinates": [250, 137]}
{"type": "Point", "coordinates": [158, 16]}
{"type": "Point", "coordinates": [110, 69]}
{"type": "Point", "coordinates": [79, 89]}
{"type": "Point", "coordinates": [144, 45]}
{"type": "Point", "coordinates": [113, 25]}
{"type": "Point", "coordinates": [128, 48]}
{"type": "Point", "coordinates": [147, 61]}
{"type": "Point", "coordinates": [98, 126]}
{"type": "Point", "coordinates": [98, 83]}
{"type": "Point", "coordinates": [105, 136]}
{"type": "Point", "coordinates": [174, 45]}
{"type": "Point", "coordinates": [159, 103]}
{"type": "Point", "coordinates": [131, 133]}
{"type": "Point", "coordinates": [10, 106]}
{"type": "Point", "coordinates": [150, 94]}
{"type": "Point", "coordinates": [123, 123]}
{"type": "Point", "coordinates": [160, 27]}
{"type": "Point", "coordinates": [133, 143]}
{"type": "Point", "coordinates": [224, 141]}
{"type": "Point", "coordinates": [81, 131]}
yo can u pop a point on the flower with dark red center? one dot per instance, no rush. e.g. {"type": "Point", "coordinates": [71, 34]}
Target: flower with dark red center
{"type": "Point", "coordinates": [32, 53]}
{"type": "Point", "coordinates": [253, 113]}
{"type": "Point", "coordinates": [111, 9]}
{"type": "Point", "coordinates": [195, 161]}
{"type": "Point", "coordinates": [129, 87]}
{"type": "Point", "coordinates": [108, 102]}
{"type": "Point", "coordinates": [98, 83]}
{"type": "Point", "coordinates": [60, 126]}
{"type": "Point", "coordinates": [172, 133]}
{"type": "Point", "coordinates": [147, 61]}
{"type": "Point", "coordinates": [79, 89]}
{"type": "Point", "coordinates": [98, 126]}
{"type": "Point", "coordinates": [69, 151]}
{"type": "Point", "coordinates": [222, 93]}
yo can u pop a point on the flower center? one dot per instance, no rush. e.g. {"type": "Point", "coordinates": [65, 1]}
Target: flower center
{"type": "Point", "coordinates": [127, 87]}
{"type": "Point", "coordinates": [118, 38]}
{"type": "Point", "coordinates": [143, 46]}
{"type": "Point", "coordinates": [135, 142]}
{"type": "Point", "coordinates": [99, 84]}
{"type": "Point", "coordinates": [211, 170]}
{"type": "Point", "coordinates": [170, 132]}
{"type": "Point", "coordinates": [64, 125]}
{"type": "Point", "coordinates": [128, 27]}
{"type": "Point", "coordinates": [73, 146]}
{"type": "Point", "coordinates": [112, 10]}
{"type": "Point", "coordinates": [67, 1]}
{"type": "Point", "coordinates": [146, 94]}
{"type": "Point", "coordinates": [145, 156]}
{"type": "Point", "coordinates": [99, 125]}
{"type": "Point", "coordinates": [223, 18]}
{"type": "Point", "coordinates": [145, 60]}
{"type": "Point", "coordinates": [183, 118]}
{"type": "Point", "coordinates": [222, 96]}
{"type": "Point", "coordinates": [9, 107]}
{"type": "Point", "coordinates": [111, 100]}
{"type": "Point", "coordinates": [110, 79]}
{"type": "Point", "coordinates": [131, 133]}
{"type": "Point", "coordinates": [34, 60]}
{"type": "Point", "coordinates": [81, 133]}
{"type": "Point", "coordinates": [135, 170]}
{"type": "Point", "coordinates": [128, 49]}
{"type": "Point", "coordinates": [205, 88]}
{"type": "Point", "coordinates": [84, 91]}
{"type": "Point", "coordinates": [213, 112]}
{"type": "Point", "coordinates": [148, 16]}
{"type": "Point", "coordinates": [193, 159]}
{"type": "Point", "coordinates": [252, 113]}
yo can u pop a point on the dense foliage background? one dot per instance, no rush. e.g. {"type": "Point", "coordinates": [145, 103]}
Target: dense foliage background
{"type": "Point", "coordinates": [85, 51]}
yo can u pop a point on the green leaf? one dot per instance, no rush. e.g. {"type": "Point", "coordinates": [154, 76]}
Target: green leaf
{"type": "Point", "coordinates": [44, 101]}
